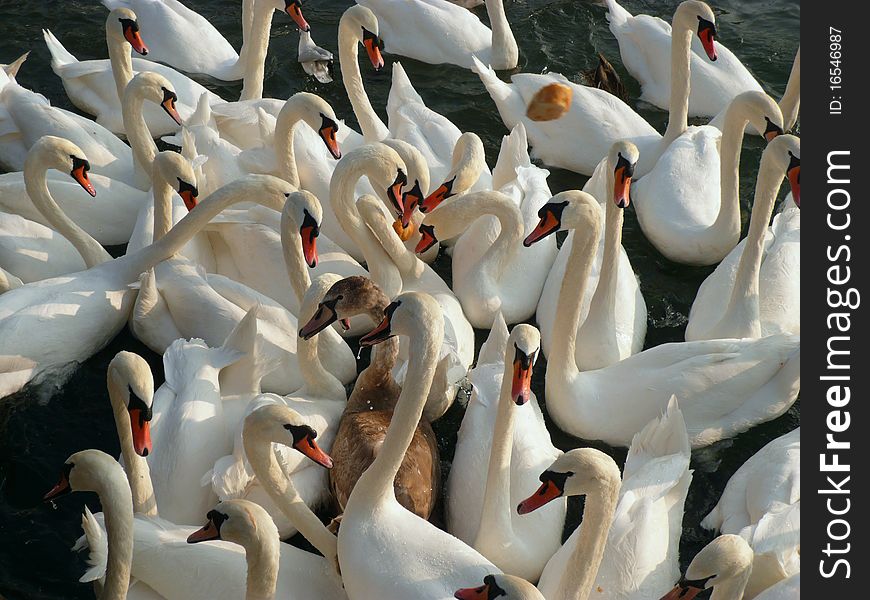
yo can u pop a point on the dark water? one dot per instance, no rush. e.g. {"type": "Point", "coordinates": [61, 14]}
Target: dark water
{"type": "Point", "coordinates": [561, 35]}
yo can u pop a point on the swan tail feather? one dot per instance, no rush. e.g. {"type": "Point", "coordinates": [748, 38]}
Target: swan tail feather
{"type": "Point", "coordinates": [60, 56]}
{"type": "Point", "coordinates": [493, 349]}
{"type": "Point", "coordinates": [514, 153]}
{"type": "Point", "coordinates": [13, 67]}
{"type": "Point", "coordinates": [94, 539]}
{"type": "Point", "coordinates": [202, 114]}
{"type": "Point", "coordinates": [402, 91]}
{"type": "Point", "coordinates": [663, 436]}
{"type": "Point", "coordinates": [616, 14]}
{"type": "Point", "coordinates": [244, 376]}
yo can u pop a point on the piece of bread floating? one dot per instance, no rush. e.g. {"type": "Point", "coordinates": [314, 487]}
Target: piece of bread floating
{"type": "Point", "coordinates": [550, 102]}
{"type": "Point", "coordinates": [404, 233]}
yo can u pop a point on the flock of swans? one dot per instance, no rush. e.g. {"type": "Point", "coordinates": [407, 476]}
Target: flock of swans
{"type": "Point", "coordinates": [278, 231]}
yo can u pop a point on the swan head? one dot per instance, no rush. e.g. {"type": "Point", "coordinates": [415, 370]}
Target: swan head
{"type": "Point", "coordinates": [51, 152]}
{"type": "Point", "coordinates": [760, 110]}
{"type": "Point", "coordinates": [499, 585]}
{"type": "Point", "coordinates": [406, 315]}
{"type": "Point", "coordinates": [578, 472]}
{"type": "Point", "coordinates": [281, 424]}
{"type": "Point", "coordinates": [154, 88]}
{"type": "Point", "coordinates": [178, 173]}
{"type": "Point", "coordinates": [362, 24]}
{"type": "Point", "coordinates": [571, 209]}
{"type": "Point", "coordinates": [345, 299]}
{"type": "Point", "coordinates": [303, 213]}
{"type": "Point", "coordinates": [417, 172]}
{"type": "Point", "coordinates": [122, 26]}
{"type": "Point", "coordinates": [696, 15]}
{"type": "Point", "coordinates": [468, 162]}
{"type": "Point", "coordinates": [784, 154]}
{"type": "Point", "coordinates": [239, 521]}
{"type": "Point", "coordinates": [131, 372]}
{"type": "Point", "coordinates": [727, 558]}
{"type": "Point", "coordinates": [623, 159]}
{"type": "Point", "coordinates": [523, 346]}
{"type": "Point", "coordinates": [293, 8]}
{"type": "Point", "coordinates": [317, 114]}
{"type": "Point", "coordinates": [88, 471]}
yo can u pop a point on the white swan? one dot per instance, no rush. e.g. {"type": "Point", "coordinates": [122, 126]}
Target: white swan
{"type": "Point", "coordinates": [391, 265]}
{"type": "Point", "coordinates": [641, 555]}
{"type": "Point", "coordinates": [190, 43]}
{"type": "Point", "coordinates": [570, 573]}
{"type": "Point", "coordinates": [613, 311]}
{"type": "Point", "coordinates": [755, 290]}
{"type": "Point", "coordinates": [38, 334]}
{"type": "Point", "coordinates": [31, 251]}
{"type": "Point", "coordinates": [491, 275]}
{"type": "Point", "coordinates": [645, 44]}
{"type": "Point", "coordinates": [415, 558]}
{"type": "Point", "coordinates": [436, 32]}
{"type": "Point", "coordinates": [724, 565]}
{"type": "Point", "coordinates": [178, 570]}
{"type": "Point", "coordinates": [188, 428]}
{"type": "Point", "coordinates": [723, 386]}
{"type": "Point", "coordinates": [598, 117]}
{"type": "Point", "coordinates": [191, 304]}
{"type": "Point", "coordinates": [247, 524]}
{"type": "Point", "coordinates": [97, 86]}
{"type": "Point", "coordinates": [490, 226]}
{"type": "Point", "coordinates": [500, 451]}
{"type": "Point", "coordinates": [253, 253]}
{"type": "Point", "coordinates": [26, 116]}
{"type": "Point", "coordinates": [688, 205]}
{"type": "Point", "coordinates": [432, 133]}
{"type": "Point", "coordinates": [761, 503]}
{"type": "Point", "coordinates": [320, 402]}
{"type": "Point", "coordinates": [131, 393]}
{"type": "Point", "coordinates": [108, 217]}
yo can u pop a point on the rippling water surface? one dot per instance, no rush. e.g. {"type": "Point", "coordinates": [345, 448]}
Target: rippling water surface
{"type": "Point", "coordinates": [561, 35]}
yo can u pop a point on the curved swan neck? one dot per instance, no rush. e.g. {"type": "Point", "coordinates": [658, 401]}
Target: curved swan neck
{"type": "Point", "coordinates": [247, 189]}
{"type": "Point", "coordinates": [285, 128]}
{"type": "Point", "coordinates": [743, 311]}
{"type": "Point", "coordinates": [582, 568]}
{"type": "Point", "coordinates": [604, 298]}
{"type": "Point", "coordinates": [141, 143]}
{"type": "Point", "coordinates": [373, 128]}
{"type": "Point", "coordinates": [280, 488]}
{"type": "Point", "coordinates": [294, 261]}
{"type": "Point", "coordinates": [730, 147]}
{"type": "Point", "coordinates": [263, 558]}
{"type": "Point", "coordinates": [318, 381]}
{"type": "Point", "coordinates": [119, 57]}
{"type": "Point", "coordinates": [341, 196]}
{"type": "Point", "coordinates": [681, 56]}
{"type": "Point", "coordinates": [255, 49]}
{"type": "Point", "coordinates": [36, 185]}
{"type": "Point", "coordinates": [376, 483]}
{"type": "Point", "coordinates": [505, 52]}
{"type": "Point", "coordinates": [408, 264]}
{"type": "Point", "coordinates": [791, 100]}
{"type": "Point", "coordinates": [138, 473]}
{"type": "Point", "coordinates": [467, 209]}
{"type": "Point", "coordinates": [731, 589]}
{"type": "Point", "coordinates": [497, 509]}
{"type": "Point", "coordinates": [117, 504]}
{"type": "Point", "coordinates": [577, 271]}
{"type": "Point", "coordinates": [162, 194]}
{"type": "Point", "coordinates": [247, 23]}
